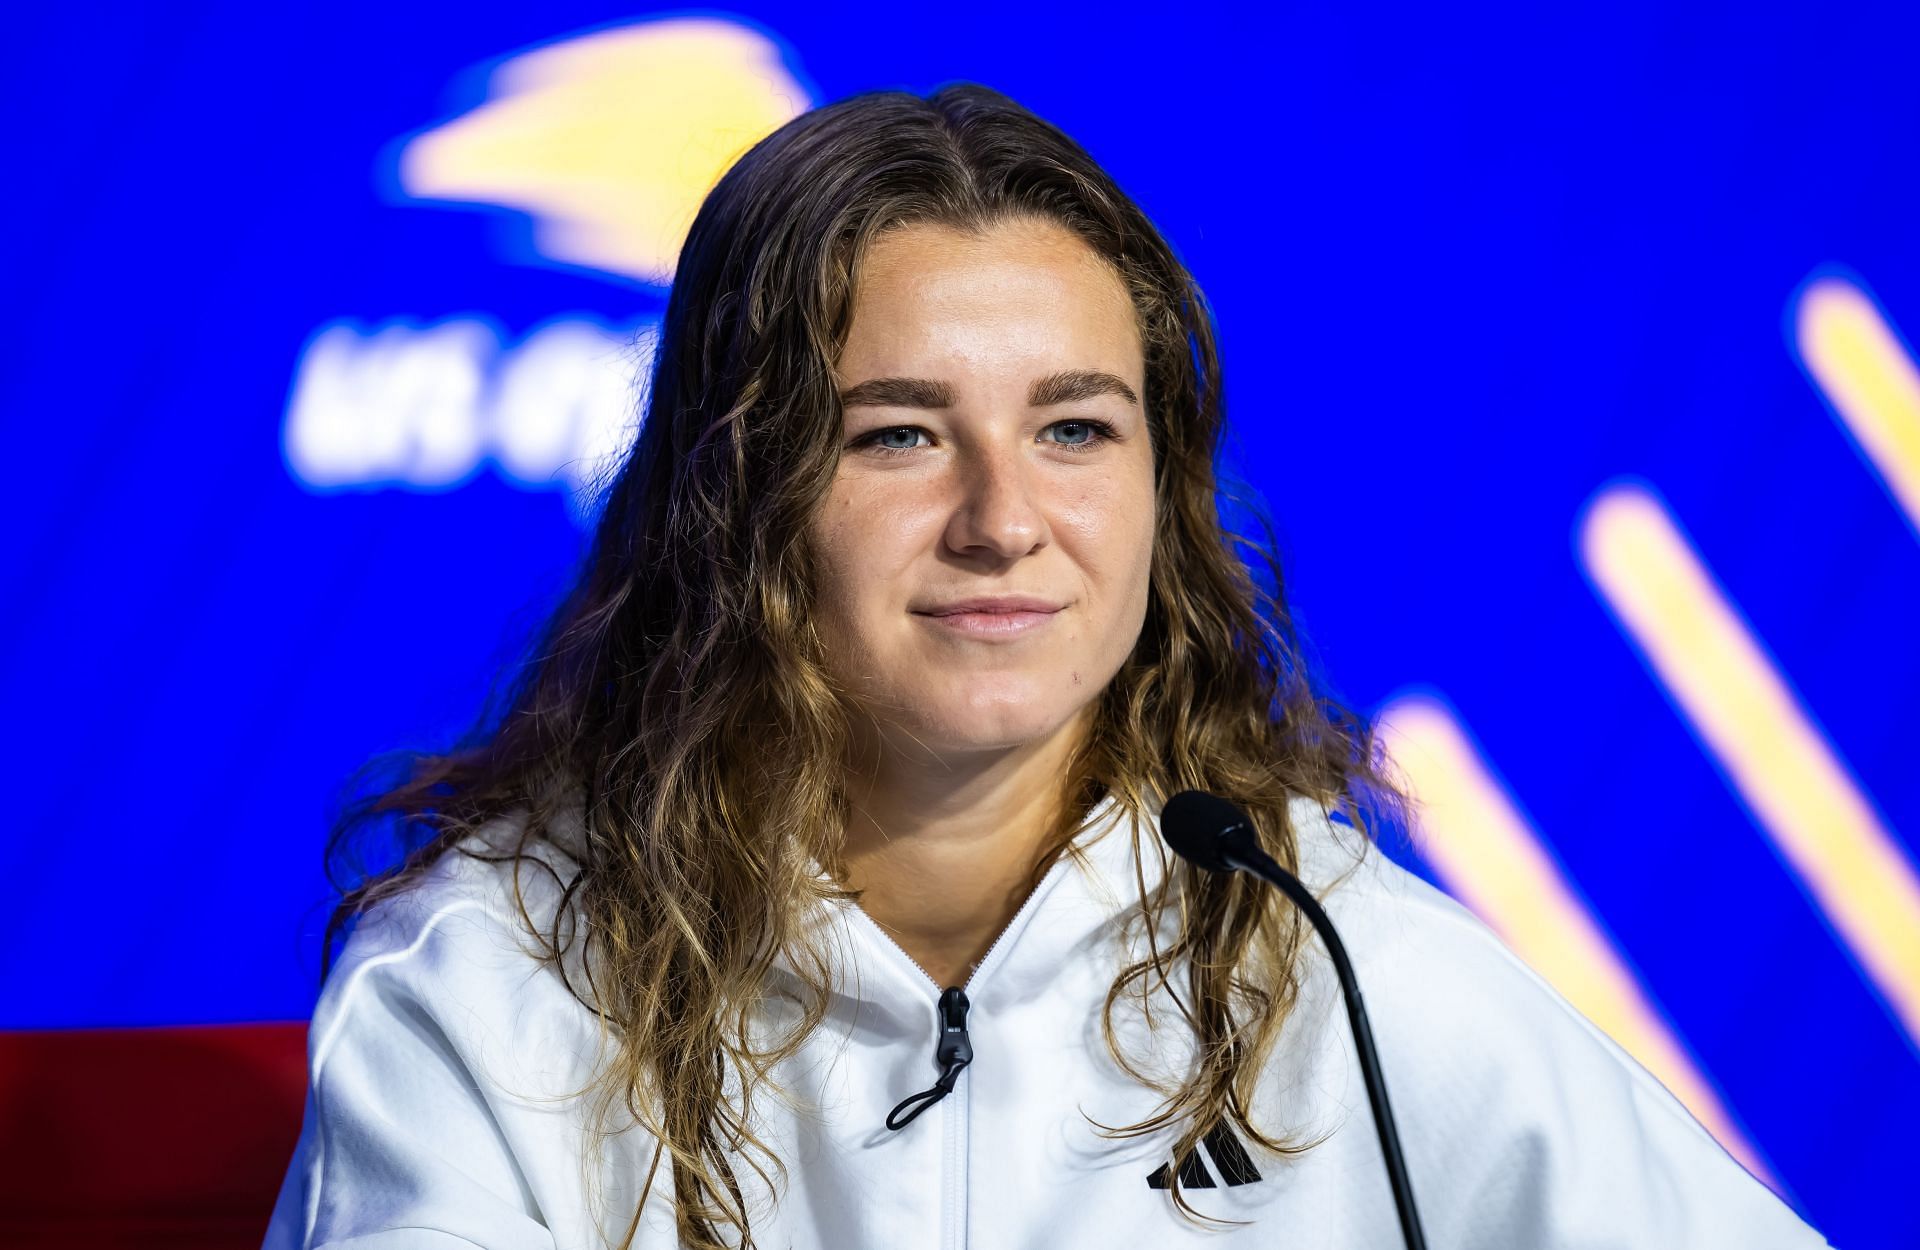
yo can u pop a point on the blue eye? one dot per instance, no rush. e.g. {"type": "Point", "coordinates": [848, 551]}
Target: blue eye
{"type": "Point", "coordinates": [1096, 431]}
{"type": "Point", "coordinates": [880, 438]}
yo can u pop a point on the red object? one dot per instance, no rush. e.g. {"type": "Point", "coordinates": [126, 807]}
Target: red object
{"type": "Point", "coordinates": [147, 1137]}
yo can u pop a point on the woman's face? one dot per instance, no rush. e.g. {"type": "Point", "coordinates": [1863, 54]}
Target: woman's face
{"type": "Point", "coordinates": [994, 449]}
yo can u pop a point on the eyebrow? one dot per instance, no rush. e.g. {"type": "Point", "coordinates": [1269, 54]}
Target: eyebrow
{"type": "Point", "coordinates": [1056, 388]}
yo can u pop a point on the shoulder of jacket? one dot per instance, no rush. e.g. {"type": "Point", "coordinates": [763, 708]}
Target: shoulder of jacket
{"type": "Point", "coordinates": [1350, 872]}
{"type": "Point", "coordinates": [476, 912]}
{"type": "Point", "coordinates": [1410, 940]}
{"type": "Point", "coordinates": [451, 958]}
{"type": "Point", "coordinates": [1429, 965]}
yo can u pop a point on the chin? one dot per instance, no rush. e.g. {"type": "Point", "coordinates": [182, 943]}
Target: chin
{"type": "Point", "coordinates": [967, 726]}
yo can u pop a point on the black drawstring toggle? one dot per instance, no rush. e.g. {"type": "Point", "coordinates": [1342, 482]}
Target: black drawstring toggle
{"type": "Point", "coordinates": [953, 1053]}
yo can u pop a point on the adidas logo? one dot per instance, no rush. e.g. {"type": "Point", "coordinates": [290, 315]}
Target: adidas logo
{"type": "Point", "coordinates": [1229, 1159]}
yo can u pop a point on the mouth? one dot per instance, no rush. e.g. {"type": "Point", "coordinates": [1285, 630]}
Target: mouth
{"type": "Point", "coordinates": [994, 622]}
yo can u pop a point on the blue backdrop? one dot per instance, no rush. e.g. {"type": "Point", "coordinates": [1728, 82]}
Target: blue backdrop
{"type": "Point", "coordinates": [1563, 344]}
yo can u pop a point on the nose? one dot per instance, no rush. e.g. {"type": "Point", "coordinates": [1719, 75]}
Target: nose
{"type": "Point", "coordinates": [999, 511]}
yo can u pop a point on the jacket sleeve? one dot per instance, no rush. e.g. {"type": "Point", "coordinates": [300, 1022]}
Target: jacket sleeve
{"type": "Point", "coordinates": [1534, 1127]}
{"type": "Point", "coordinates": [399, 1149]}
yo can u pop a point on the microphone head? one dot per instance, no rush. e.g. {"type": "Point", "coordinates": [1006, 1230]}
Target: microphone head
{"type": "Point", "coordinates": [1203, 828]}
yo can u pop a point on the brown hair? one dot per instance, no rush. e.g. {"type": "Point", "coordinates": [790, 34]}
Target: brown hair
{"type": "Point", "coordinates": [679, 690]}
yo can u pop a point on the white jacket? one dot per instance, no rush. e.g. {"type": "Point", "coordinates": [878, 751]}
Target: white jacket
{"type": "Point", "coordinates": [1523, 1126]}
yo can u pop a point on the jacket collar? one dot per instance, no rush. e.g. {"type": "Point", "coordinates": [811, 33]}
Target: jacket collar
{"type": "Point", "coordinates": [1088, 890]}
{"type": "Point", "coordinates": [1068, 920]}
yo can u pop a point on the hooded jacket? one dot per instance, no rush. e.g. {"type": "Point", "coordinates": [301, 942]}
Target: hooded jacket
{"type": "Point", "coordinates": [442, 1052]}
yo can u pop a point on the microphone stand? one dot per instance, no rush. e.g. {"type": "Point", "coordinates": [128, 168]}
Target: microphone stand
{"type": "Point", "coordinates": [1240, 852]}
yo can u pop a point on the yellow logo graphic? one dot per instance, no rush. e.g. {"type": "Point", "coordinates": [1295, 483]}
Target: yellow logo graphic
{"type": "Point", "coordinates": [612, 140]}
{"type": "Point", "coordinates": [608, 141]}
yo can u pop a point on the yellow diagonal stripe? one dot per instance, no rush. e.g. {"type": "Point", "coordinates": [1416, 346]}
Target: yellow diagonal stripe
{"type": "Point", "coordinates": [1490, 858]}
{"type": "Point", "coordinates": [1870, 379]}
{"type": "Point", "coordinates": [1788, 774]}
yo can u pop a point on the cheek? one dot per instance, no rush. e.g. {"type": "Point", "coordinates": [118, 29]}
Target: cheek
{"type": "Point", "coordinates": [863, 536]}
{"type": "Point", "coordinates": [1111, 518]}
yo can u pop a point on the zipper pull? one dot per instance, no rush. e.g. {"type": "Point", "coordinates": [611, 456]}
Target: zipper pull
{"type": "Point", "coordinates": [953, 1052]}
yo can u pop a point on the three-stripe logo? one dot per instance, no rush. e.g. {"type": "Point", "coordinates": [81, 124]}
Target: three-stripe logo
{"type": "Point", "coordinates": [1229, 1157]}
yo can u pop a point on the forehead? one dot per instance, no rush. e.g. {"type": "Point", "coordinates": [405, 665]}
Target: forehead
{"type": "Point", "coordinates": [1022, 292]}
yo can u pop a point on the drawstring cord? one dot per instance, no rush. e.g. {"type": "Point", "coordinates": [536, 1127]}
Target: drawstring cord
{"type": "Point", "coordinates": [953, 1053]}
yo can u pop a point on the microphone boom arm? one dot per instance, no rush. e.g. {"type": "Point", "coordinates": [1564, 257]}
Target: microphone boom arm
{"type": "Point", "coordinates": [1241, 852]}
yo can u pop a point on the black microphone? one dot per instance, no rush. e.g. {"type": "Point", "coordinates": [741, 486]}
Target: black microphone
{"type": "Point", "coordinates": [1211, 833]}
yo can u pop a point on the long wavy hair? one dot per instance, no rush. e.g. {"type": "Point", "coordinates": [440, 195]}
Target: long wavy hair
{"type": "Point", "coordinates": [679, 702]}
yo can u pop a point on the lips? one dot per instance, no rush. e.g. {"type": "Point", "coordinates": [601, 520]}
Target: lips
{"type": "Point", "coordinates": [993, 604]}
{"type": "Point", "coordinates": [991, 618]}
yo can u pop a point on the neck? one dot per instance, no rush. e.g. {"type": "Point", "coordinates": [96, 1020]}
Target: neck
{"type": "Point", "coordinates": [944, 851]}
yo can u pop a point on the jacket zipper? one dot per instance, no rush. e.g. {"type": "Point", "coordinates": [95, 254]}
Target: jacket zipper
{"type": "Point", "coordinates": [953, 1051]}
{"type": "Point", "coordinates": [954, 1191]}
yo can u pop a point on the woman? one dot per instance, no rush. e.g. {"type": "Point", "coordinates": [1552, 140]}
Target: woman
{"type": "Point", "coordinates": [910, 608]}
